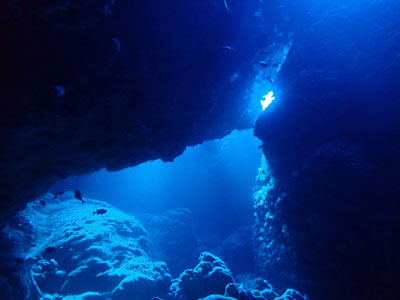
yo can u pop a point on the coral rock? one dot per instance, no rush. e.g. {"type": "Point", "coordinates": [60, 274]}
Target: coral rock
{"type": "Point", "coordinates": [209, 277]}
{"type": "Point", "coordinates": [74, 252]}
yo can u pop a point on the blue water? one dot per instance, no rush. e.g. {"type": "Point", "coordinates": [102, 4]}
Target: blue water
{"type": "Point", "coordinates": [318, 84]}
{"type": "Point", "coordinates": [214, 178]}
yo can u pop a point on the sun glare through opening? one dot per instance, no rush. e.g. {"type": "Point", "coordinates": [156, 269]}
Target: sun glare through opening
{"type": "Point", "coordinates": [267, 100]}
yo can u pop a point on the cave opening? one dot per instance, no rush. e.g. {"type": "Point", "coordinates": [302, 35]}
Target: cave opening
{"type": "Point", "coordinates": [213, 180]}
{"type": "Point", "coordinates": [200, 205]}
{"type": "Point", "coordinates": [308, 211]}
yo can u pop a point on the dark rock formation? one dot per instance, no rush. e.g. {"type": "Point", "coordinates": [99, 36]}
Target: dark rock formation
{"type": "Point", "coordinates": [14, 282]}
{"type": "Point", "coordinates": [92, 84]}
{"type": "Point", "coordinates": [263, 292]}
{"type": "Point", "coordinates": [332, 141]}
{"type": "Point", "coordinates": [252, 287]}
{"type": "Point", "coordinates": [212, 280]}
{"type": "Point", "coordinates": [291, 294]}
{"type": "Point", "coordinates": [210, 276]}
{"type": "Point", "coordinates": [238, 291]}
{"type": "Point", "coordinates": [217, 297]}
{"type": "Point", "coordinates": [86, 85]}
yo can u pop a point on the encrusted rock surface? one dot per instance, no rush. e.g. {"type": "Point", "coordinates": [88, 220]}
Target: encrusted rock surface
{"type": "Point", "coordinates": [68, 250]}
{"type": "Point", "coordinates": [332, 142]}
{"type": "Point", "coordinates": [210, 276]}
{"type": "Point", "coordinates": [211, 279]}
{"type": "Point", "coordinates": [251, 289]}
{"type": "Point", "coordinates": [243, 292]}
{"type": "Point", "coordinates": [217, 297]}
{"type": "Point", "coordinates": [291, 294]}
{"type": "Point", "coordinates": [60, 248]}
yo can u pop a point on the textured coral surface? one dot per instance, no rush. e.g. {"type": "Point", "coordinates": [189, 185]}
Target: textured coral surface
{"type": "Point", "coordinates": [71, 250]}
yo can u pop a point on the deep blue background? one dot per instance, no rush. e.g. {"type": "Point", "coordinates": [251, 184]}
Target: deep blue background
{"type": "Point", "coordinates": [214, 180]}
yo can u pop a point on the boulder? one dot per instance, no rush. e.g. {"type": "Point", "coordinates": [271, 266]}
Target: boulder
{"type": "Point", "coordinates": [210, 276]}
{"type": "Point", "coordinates": [217, 297]}
{"type": "Point", "coordinates": [75, 250]}
{"type": "Point", "coordinates": [291, 294]}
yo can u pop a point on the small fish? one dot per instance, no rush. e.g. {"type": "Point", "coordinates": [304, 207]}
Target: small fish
{"type": "Point", "coordinates": [226, 5]}
{"type": "Point", "coordinates": [49, 250]}
{"type": "Point", "coordinates": [100, 211]}
{"type": "Point", "coordinates": [58, 193]}
{"type": "Point", "coordinates": [234, 77]}
{"type": "Point", "coordinates": [117, 45]}
{"type": "Point", "coordinates": [59, 90]}
{"type": "Point", "coordinates": [264, 64]}
{"type": "Point", "coordinates": [42, 202]}
{"type": "Point", "coordinates": [229, 48]}
{"type": "Point", "coordinates": [78, 196]}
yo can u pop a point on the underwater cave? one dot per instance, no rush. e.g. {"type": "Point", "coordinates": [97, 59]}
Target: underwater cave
{"type": "Point", "coordinates": [199, 150]}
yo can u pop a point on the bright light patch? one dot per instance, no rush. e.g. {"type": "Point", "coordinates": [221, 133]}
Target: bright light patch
{"type": "Point", "coordinates": [267, 100]}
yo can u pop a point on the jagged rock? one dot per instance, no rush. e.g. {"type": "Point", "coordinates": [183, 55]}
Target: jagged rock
{"type": "Point", "coordinates": [217, 297]}
{"type": "Point", "coordinates": [291, 294]}
{"type": "Point", "coordinates": [256, 283]}
{"type": "Point", "coordinates": [239, 292]}
{"type": "Point", "coordinates": [260, 289]}
{"type": "Point", "coordinates": [257, 289]}
{"type": "Point", "coordinates": [74, 251]}
{"type": "Point", "coordinates": [268, 294]}
{"type": "Point", "coordinates": [15, 282]}
{"type": "Point", "coordinates": [173, 238]}
{"type": "Point", "coordinates": [210, 276]}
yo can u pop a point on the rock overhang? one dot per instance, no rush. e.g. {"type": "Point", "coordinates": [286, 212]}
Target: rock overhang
{"type": "Point", "coordinates": [117, 83]}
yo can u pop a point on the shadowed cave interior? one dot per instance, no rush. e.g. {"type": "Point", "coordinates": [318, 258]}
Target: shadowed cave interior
{"type": "Point", "coordinates": [185, 150]}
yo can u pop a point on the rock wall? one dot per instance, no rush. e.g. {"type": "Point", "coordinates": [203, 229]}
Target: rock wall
{"type": "Point", "coordinates": [332, 143]}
